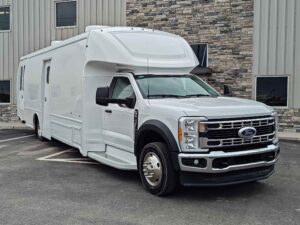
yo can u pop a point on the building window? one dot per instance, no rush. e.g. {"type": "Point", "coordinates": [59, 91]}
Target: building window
{"type": "Point", "coordinates": [4, 18]}
{"type": "Point", "coordinates": [272, 91]}
{"type": "Point", "coordinates": [201, 53]}
{"type": "Point", "coordinates": [66, 13]}
{"type": "Point", "coordinates": [4, 91]}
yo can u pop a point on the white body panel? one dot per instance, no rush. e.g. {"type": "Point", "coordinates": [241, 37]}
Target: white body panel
{"type": "Point", "coordinates": [66, 107]}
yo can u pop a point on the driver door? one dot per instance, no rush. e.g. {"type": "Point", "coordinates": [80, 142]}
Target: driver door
{"type": "Point", "coordinates": [118, 119]}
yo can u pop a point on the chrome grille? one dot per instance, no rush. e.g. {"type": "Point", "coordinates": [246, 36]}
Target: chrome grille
{"type": "Point", "coordinates": [225, 133]}
{"type": "Point", "coordinates": [219, 125]}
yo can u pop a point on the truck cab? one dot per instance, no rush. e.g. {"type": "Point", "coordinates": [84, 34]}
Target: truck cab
{"type": "Point", "coordinates": [181, 130]}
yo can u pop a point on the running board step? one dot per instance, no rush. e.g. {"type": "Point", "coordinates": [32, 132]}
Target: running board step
{"type": "Point", "coordinates": [109, 160]}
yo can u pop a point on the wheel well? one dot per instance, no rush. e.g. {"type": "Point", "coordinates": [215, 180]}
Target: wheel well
{"type": "Point", "coordinates": [147, 137]}
{"type": "Point", "coordinates": [35, 120]}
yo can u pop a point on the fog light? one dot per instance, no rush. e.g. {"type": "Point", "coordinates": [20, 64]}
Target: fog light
{"type": "Point", "coordinates": [192, 162]}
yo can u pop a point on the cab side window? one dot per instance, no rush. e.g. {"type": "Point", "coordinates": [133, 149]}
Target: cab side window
{"type": "Point", "coordinates": [122, 89]}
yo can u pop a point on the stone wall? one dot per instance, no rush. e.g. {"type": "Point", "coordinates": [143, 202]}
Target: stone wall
{"type": "Point", "coordinates": [289, 119]}
{"type": "Point", "coordinates": [8, 113]}
{"type": "Point", "coordinates": [226, 25]}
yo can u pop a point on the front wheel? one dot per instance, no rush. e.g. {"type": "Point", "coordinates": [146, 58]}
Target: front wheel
{"type": "Point", "coordinates": [156, 170]}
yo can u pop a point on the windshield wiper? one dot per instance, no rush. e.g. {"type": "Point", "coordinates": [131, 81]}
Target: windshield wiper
{"type": "Point", "coordinates": [165, 96]}
{"type": "Point", "coordinates": [198, 95]}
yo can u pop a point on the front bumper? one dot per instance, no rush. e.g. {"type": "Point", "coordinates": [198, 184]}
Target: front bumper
{"type": "Point", "coordinates": [190, 179]}
{"type": "Point", "coordinates": [236, 160]}
{"type": "Point", "coordinates": [241, 172]}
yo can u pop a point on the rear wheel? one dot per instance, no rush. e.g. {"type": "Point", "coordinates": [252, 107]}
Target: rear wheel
{"type": "Point", "coordinates": [38, 130]}
{"type": "Point", "coordinates": [156, 170]}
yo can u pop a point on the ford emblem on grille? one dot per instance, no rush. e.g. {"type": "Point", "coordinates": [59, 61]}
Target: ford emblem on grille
{"type": "Point", "coordinates": [247, 132]}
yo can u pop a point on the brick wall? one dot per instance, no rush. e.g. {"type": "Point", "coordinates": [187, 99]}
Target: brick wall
{"type": "Point", "coordinates": [226, 25]}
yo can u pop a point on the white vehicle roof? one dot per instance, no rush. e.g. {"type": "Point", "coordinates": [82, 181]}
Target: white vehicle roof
{"type": "Point", "coordinates": [138, 49]}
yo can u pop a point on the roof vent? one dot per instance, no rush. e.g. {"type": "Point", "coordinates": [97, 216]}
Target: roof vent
{"type": "Point", "coordinates": [94, 27]}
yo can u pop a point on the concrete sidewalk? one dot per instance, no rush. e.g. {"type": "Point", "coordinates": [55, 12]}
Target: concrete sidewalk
{"type": "Point", "coordinates": [287, 135]}
{"type": "Point", "coordinates": [11, 125]}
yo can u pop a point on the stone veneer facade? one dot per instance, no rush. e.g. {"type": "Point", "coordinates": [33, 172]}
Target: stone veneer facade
{"type": "Point", "coordinates": [225, 25]}
{"type": "Point", "coordinates": [8, 113]}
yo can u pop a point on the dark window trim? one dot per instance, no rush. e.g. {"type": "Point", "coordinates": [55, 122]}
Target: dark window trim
{"type": "Point", "coordinates": [55, 19]}
{"type": "Point", "coordinates": [10, 92]}
{"type": "Point", "coordinates": [274, 76]}
{"type": "Point", "coordinates": [10, 18]}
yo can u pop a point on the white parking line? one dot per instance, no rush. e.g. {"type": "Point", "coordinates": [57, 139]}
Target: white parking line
{"type": "Point", "coordinates": [17, 138]}
{"type": "Point", "coordinates": [67, 160]}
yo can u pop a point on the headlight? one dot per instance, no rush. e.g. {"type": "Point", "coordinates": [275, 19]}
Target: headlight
{"type": "Point", "coordinates": [275, 115]}
{"type": "Point", "coordinates": [202, 127]}
{"type": "Point", "coordinates": [188, 132]}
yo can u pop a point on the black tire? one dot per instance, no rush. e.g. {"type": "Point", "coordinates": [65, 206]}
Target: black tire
{"type": "Point", "coordinates": [37, 130]}
{"type": "Point", "coordinates": [168, 180]}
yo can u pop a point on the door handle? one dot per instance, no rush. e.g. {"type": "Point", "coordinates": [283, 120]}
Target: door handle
{"type": "Point", "coordinates": [108, 111]}
{"type": "Point", "coordinates": [45, 99]}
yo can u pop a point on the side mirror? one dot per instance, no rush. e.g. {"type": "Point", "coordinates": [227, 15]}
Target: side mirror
{"type": "Point", "coordinates": [130, 102]}
{"type": "Point", "coordinates": [227, 90]}
{"type": "Point", "coordinates": [102, 96]}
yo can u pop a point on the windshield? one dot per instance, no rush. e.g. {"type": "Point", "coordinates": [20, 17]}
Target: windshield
{"type": "Point", "coordinates": [174, 86]}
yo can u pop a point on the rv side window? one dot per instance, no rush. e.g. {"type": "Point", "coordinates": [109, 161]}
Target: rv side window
{"type": "Point", "coordinates": [122, 89]}
{"type": "Point", "coordinates": [21, 75]}
{"type": "Point", "coordinates": [22, 78]}
{"type": "Point", "coordinates": [48, 74]}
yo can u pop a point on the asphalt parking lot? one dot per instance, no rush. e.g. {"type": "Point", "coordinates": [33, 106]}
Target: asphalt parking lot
{"type": "Point", "coordinates": [50, 183]}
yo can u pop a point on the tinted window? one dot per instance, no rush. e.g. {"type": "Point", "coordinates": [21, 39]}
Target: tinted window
{"type": "Point", "coordinates": [122, 89]}
{"type": "Point", "coordinates": [184, 86]}
{"type": "Point", "coordinates": [200, 51]}
{"type": "Point", "coordinates": [48, 74]}
{"type": "Point", "coordinates": [4, 18]}
{"type": "Point", "coordinates": [21, 78]}
{"type": "Point", "coordinates": [272, 90]}
{"type": "Point", "coordinates": [4, 91]}
{"type": "Point", "coordinates": [66, 13]}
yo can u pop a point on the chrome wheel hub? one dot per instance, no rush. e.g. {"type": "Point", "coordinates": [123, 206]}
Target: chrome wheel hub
{"type": "Point", "coordinates": [152, 169]}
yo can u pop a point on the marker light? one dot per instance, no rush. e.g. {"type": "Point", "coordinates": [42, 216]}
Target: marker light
{"type": "Point", "coordinates": [180, 135]}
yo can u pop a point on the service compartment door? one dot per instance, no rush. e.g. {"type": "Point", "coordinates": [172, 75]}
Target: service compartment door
{"type": "Point", "coordinates": [46, 125]}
